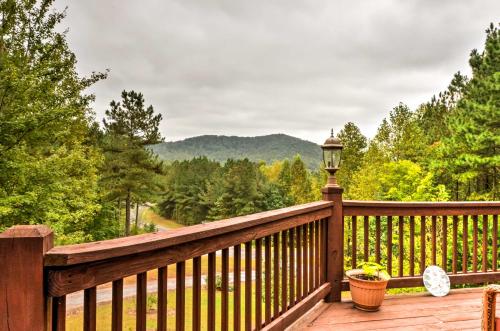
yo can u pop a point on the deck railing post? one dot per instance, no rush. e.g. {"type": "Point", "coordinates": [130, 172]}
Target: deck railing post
{"type": "Point", "coordinates": [335, 242]}
{"type": "Point", "coordinates": [22, 300]}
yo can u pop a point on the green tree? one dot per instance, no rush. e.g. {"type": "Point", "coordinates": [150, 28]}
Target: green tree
{"type": "Point", "coordinates": [301, 186]}
{"type": "Point", "coordinates": [352, 154]}
{"type": "Point", "coordinates": [130, 170]}
{"type": "Point", "coordinates": [48, 167]}
{"type": "Point", "coordinates": [471, 151]}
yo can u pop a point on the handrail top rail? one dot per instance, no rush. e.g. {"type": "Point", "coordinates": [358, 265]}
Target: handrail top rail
{"type": "Point", "coordinates": [106, 249]}
{"type": "Point", "coordinates": [420, 204]}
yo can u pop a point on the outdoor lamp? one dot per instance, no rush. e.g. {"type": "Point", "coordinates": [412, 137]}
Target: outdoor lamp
{"type": "Point", "coordinates": [332, 151]}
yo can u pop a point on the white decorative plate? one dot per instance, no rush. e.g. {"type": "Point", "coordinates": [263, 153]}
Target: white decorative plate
{"type": "Point", "coordinates": [436, 281]}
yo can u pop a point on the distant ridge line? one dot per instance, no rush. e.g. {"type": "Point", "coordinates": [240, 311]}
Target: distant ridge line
{"type": "Point", "coordinates": [268, 148]}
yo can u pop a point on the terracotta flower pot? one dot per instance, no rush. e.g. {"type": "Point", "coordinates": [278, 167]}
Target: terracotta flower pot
{"type": "Point", "coordinates": [367, 295]}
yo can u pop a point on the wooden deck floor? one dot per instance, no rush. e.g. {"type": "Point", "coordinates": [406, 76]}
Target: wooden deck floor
{"type": "Point", "coordinates": [460, 310]}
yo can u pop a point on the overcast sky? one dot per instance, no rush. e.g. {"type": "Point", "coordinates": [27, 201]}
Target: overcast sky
{"type": "Point", "coordinates": [258, 67]}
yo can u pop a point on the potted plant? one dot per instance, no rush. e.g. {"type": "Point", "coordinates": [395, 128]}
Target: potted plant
{"type": "Point", "coordinates": [367, 284]}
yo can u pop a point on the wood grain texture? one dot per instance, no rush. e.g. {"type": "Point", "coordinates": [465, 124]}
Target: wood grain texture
{"type": "Point", "coordinates": [101, 250]}
{"type": "Point", "coordinates": [117, 306]}
{"type": "Point", "coordinates": [58, 321]}
{"type": "Point", "coordinates": [401, 245]}
{"type": "Point", "coordinates": [89, 309]}
{"type": "Point", "coordinates": [465, 243]}
{"type": "Point", "coordinates": [276, 275]}
{"type": "Point", "coordinates": [196, 294]}
{"type": "Point", "coordinates": [237, 288]}
{"type": "Point", "coordinates": [163, 294]}
{"type": "Point", "coordinates": [390, 208]}
{"type": "Point", "coordinates": [455, 279]}
{"type": "Point", "coordinates": [22, 299]}
{"type": "Point", "coordinates": [141, 302]}
{"type": "Point", "coordinates": [248, 286]}
{"type": "Point", "coordinates": [335, 243]}
{"type": "Point", "coordinates": [285, 320]}
{"type": "Point", "coordinates": [224, 319]}
{"type": "Point", "coordinates": [64, 280]}
{"type": "Point", "coordinates": [267, 279]}
{"type": "Point", "coordinates": [258, 284]}
{"type": "Point", "coordinates": [211, 292]}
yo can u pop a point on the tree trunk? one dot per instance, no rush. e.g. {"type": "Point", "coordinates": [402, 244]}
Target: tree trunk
{"type": "Point", "coordinates": [137, 215]}
{"type": "Point", "coordinates": [127, 214]}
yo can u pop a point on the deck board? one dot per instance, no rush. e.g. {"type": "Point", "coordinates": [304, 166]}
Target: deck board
{"type": "Point", "coordinates": [460, 310]}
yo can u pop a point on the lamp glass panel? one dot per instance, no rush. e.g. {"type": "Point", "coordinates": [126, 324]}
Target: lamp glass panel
{"type": "Point", "coordinates": [331, 157]}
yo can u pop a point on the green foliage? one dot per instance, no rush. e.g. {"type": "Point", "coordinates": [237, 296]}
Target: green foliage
{"type": "Point", "coordinates": [130, 171]}
{"type": "Point", "coordinates": [352, 153]}
{"type": "Point", "coordinates": [471, 151]}
{"type": "Point", "coordinates": [48, 169]}
{"type": "Point", "coordinates": [374, 271]}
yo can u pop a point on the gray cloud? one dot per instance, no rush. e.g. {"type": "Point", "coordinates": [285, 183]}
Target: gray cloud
{"type": "Point", "coordinates": [256, 67]}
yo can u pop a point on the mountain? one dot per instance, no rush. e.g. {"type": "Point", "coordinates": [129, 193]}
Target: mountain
{"type": "Point", "coordinates": [220, 148]}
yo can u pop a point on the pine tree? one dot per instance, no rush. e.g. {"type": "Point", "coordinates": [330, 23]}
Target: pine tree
{"type": "Point", "coordinates": [130, 169]}
{"type": "Point", "coordinates": [471, 152]}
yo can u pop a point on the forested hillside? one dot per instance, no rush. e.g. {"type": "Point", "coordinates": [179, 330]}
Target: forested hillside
{"type": "Point", "coordinates": [268, 148]}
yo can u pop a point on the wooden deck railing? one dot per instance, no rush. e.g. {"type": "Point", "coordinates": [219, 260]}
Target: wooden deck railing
{"type": "Point", "coordinates": [409, 236]}
{"type": "Point", "coordinates": [283, 263]}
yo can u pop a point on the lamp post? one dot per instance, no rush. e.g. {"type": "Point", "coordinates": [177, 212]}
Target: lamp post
{"type": "Point", "coordinates": [332, 151]}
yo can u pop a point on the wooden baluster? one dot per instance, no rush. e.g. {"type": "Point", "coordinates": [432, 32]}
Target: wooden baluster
{"type": "Point", "coordinates": [89, 309]}
{"type": "Point", "coordinates": [324, 238]}
{"type": "Point", "coordinates": [196, 293]}
{"type": "Point", "coordinates": [117, 306]}
{"type": "Point", "coordinates": [401, 245]}
{"type": "Point", "coordinates": [389, 245]}
{"type": "Point", "coordinates": [377, 239]}
{"type": "Point", "coordinates": [276, 276]}
{"type": "Point", "coordinates": [311, 258]}
{"type": "Point", "coordinates": [292, 266]}
{"type": "Point", "coordinates": [284, 270]}
{"type": "Point", "coordinates": [225, 290]}
{"type": "Point", "coordinates": [465, 244]}
{"type": "Point", "coordinates": [141, 302]}
{"type": "Point", "coordinates": [474, 240]}
{"type": "Point", "coordinates": [495, 243]}
{"type": "Point", "coordinates": [305, 263]}
{"type": "Point", "coordinates": [422, 245]}
{"type": "Point", "coordinates": [455, 244]}
{"type": "Point", "coordinates": [258, 284]}
{"type": "Point", "coordinates": [299, 263]}
{"type": "Point", "coordinates": [180, 297]}
{"type": "Point", "coordinates": [434, 240]}
{"type": "Point", "coordinates": [59, 313]}
{"type": "Point", "coordinates": [354, 242]}
{"type": "Point", "coordinates": [237, 288]}
{"type": "Point", "coordinates": [316, 254]}
{"type": "Point", "coordinates": [444, 260]}
{"type": "Point", "coordinates": [412, 245]}
{"type": "Point", "coordinates": [267, 279]}
{"type": "Point", "coordinates": [211, 292]}
{"type": "Point", "coordinates": [248, 286]}
{"type": "Point", "coordinates": [485, 243]}
{"type": "Point", "coordinates": [366, 230]}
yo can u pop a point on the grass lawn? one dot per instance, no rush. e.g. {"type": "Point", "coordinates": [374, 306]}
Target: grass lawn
{"type": "Point", "coordinates": [74, 319]}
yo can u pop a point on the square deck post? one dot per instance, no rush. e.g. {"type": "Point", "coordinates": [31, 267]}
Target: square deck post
{"type": "Point", "coordinates": [335, 242]}
{"type": "Point", "coordinates": [22, 299]}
